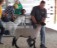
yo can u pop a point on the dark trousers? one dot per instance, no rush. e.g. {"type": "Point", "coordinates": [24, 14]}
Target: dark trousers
{"type": "Point", "coordinates": [1, 31]}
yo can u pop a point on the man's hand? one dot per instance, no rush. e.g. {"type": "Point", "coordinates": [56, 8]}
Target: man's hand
{"type": "Point", "coordinates": [5, 14]}
{"type": "Point", "coordinates": [13, 18]}
{"type": "Point", "coordinates": [43, 20]}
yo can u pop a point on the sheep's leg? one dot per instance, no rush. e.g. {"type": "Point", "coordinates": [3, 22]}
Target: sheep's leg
{"type": "Point", "coordinates": [14, 42]}
{"type": "Point", "coordinates": [31, 42]}
{"type": "Point", "coordinates": [34, 43]}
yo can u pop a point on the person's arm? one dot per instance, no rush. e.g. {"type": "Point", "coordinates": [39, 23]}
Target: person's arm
{"type": "Point", "coordinates": [20, 6]}
{"type": "Point", "coordinates": [5, 12]}
{"type": "Point", "coordinates": [12, 12]}
{"type": "Point", "coordinates": [33, 15]}
{"type": "Point", "coordinates": [33, 19]}
{"type": "Point", "coordinates": [0, 12]}
{"type": "Point", "coordinates": [45, 16]}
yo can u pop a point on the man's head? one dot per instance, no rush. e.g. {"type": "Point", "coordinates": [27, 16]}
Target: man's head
{"type": "Point", "coordinates": [1, 2]}
{"type": "Point", "coordinates": [17, 2]}
{"type": "Point", "coordinates": [23, 11]}
{"type": "Point", "coordinates": [42, 4]}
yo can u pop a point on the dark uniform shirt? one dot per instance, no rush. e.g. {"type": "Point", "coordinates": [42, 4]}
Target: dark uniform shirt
{"type": "Point", "coordinates": [39, 13]}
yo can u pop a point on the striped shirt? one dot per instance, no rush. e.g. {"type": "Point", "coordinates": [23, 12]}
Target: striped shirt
{"type": "Point", "coordinates": [9, 10]}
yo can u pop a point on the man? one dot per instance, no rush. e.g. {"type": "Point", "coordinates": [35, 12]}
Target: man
{"type": "Point", "coordinates": [8, 14]}
{"type": "Point", "coordinates": [39, 15]}
{"type": "Point", "coordinates": [1, 26]}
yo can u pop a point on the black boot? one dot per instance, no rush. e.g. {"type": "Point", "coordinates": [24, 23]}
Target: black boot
{"type": "Point", "coordinates": [42, 46]}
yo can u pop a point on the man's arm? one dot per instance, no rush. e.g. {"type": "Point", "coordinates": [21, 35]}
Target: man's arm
{"type": "Point", "coordinates": [33, 19]}
{"type": "Point", "coordinates": [33, 15]}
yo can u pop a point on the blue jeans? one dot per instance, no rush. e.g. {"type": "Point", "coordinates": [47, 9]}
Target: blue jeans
{"type": "Point", "coordinates": [42, 34]}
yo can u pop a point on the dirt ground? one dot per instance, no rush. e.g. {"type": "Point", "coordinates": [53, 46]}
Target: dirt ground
{"type": "Point", "coordinates": [51, 40]}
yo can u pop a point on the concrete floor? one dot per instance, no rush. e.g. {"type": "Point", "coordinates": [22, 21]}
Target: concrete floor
{"type": "Point", "coordinates": [51, 40]}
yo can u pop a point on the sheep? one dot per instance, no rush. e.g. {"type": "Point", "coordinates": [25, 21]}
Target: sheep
{"type": "Point", "coordinates": [28, 32]}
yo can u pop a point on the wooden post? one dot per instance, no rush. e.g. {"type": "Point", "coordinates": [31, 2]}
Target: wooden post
{"type": "Point", "coordinates": [55, 19]}
{"type": "Point", "coordinates": [56, 11]}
